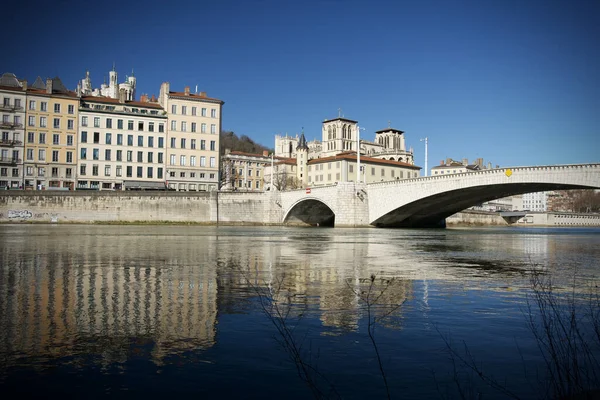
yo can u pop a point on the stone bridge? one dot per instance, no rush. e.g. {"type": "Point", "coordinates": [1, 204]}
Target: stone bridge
{"type": "Point", "coordinates": [427, 201]}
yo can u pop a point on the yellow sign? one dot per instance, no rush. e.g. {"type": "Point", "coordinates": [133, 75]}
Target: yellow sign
{"type": "Point", "coordinates": [508, 172]}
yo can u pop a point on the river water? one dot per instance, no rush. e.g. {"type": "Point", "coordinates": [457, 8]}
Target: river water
{"type": "Point", "coordinates": [155, 311]}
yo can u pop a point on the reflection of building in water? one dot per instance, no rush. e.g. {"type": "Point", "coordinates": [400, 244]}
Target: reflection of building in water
{"type": "Point", "coordinates": [108, 296]}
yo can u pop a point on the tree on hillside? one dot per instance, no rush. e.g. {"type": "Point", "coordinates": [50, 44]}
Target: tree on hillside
{"type": "Point", "coordinates": [229, 140]}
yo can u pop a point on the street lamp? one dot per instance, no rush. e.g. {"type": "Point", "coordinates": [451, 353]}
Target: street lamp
{"type": "Point", "coordinates": [358, 128]}
{"type": "Point", "coordinates": [425, 140]}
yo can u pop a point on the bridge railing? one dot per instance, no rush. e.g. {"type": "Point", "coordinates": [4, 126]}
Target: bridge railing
{"type": "Point", "coordinates": [488, 171]}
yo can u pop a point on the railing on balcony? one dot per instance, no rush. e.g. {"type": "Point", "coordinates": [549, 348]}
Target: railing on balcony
{"type": "Point", "coordinates": [10, 125]}
{"type": "Point", "coordinates": [7, 142]}
{"type": "Point", "coordinates": [10, 160]}
{"type": "Point", "coordinates": [10, 108]}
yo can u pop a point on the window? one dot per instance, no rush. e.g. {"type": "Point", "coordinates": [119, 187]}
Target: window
{"type": "Point", "coordinates": [150, 126]}
{"type": "Point", "coordinates": [42, 138]}
{"type": "Point", "coordinates": [96, 154]}
{"type": "Point", "coordinates": [183, 126]}
{"type": "Point", "coordinates": [119, 155]}
{"type": "Point", "coordinates": [161, 142]}
{"type": "Point", "coordinates": [140, 172]}
{"type": "Point", "coordinates": [56, 108]}
{"type": "Point", "coordinates": [119, 139]}
{"type": "Point", "coordinates": [95, 170]}
{"type": "Point", "coordinates": [172, 174]}
{"type": "Point", "coordinates": [203, 161]}
{"type": "Point", "coordinates": [44, 106]}
{"type": "Point", "coordinates": [193, 161]}
{"type": "Point", "coordinates": [83, 137]}
{"type": "Point", "coordinates": [107, 154]}
{"type": "Point", "coordinates": [192, 174]}
{"type": "Point", "coordinates": [140, 156]}
{"type": "Point", "coordinates": [213, 113]}
{"type": "Point", "coordinates": [173, 142]}
{"type": "Point", "coordinates": [212, 162]}
{"type": "Point", "coordinates": [213, 128]}
{"type": "Point", "coordinates": [84, 121]}
{"type": "Point", "coordinates": [71, 109]}
{"type": "Point", "coordinates": [193, 144]}
{"type": "Point", "coordinates": [194, 110]}
{"type": "Point", "coordinates": [183, 110]}
{"type": "Point", "coordinates": [42, 155]}
{"type": "Point", "coordinates": [108, 138]}
{"type": "Point", "coordinates": [172, 159]}
{"type": "Point", "coordinates": [109, 123]}
{"type": "Point", "coordinates": [43, 122]}
{"type": "Point", "coordinates": [173, 125]}
{"type": "Point", "coordinates": [29, 171]}
{"type": "Point", "coordinates": [203, 128]}
{"type": "Point", "coordinates": [129, 155]}
{"type": "Point", "coordinates": [130, 125]}
{"type": "Point", "coordinates": [160, 158]}
{"type": "Point", "coordinates": [56, 123]}
{"type": "Point", "coordinates": [149, 172]}
{"type": "Point", "coordinates": [30, 154]}
{"type": "Point", "coordinates": [56, 139]}
{"type": "Point", "coordinates": [161, 127]}
{"type": "Point", "coordinates": [173, 109]}
{"type": "Point", "coordinates": [182, 160]}
{"type": "Point", "coordinates": [159, 173]}
{"type": "Point", "coordinates": [182, 143]}
{"type": "Point", "coordinates": [140, 141]}
{"type": "Point", "coordinates": [15, 172]}
{"type": "Point", "coordinates": [31, 120]}
{"type": "Point", "coordinates": [69, 172]}
{"type": "Point", "coordinates": [119, 124]}
{"type": "Point", "coordinates": [83, 153]}
{"type": "Point", "coordinates": [204, 112]}
{"type": "Point", "coordinates": [193, 127]}
{"type": "Point", "coordinates": [129, 140]}
{"type": "Point", "coordinates": [32, 104]}
{"type": "Point", "coordinates": [118, 170]}
{"type": "Point", "coordinates": [54, 155]}
{"type": "Point", "coordinates": [96, 122]}
{"type": "Point", "coordinates": [69, 156]}
{"type": "Point", "coordinates": [212, 145]}
{"type": "Point", "coordinates": [129, 171]}
{"type": "Point", "coordinates": [150, 157]}
{"type": "Point", "coordinates": [41, 171]}
{"type": "Point", "coordinates": [107, 170]}
{"type": "Point", "coordinates": [70, 124]}
{"type": "Point", "coordinates": [202, 144]}
{"type": "Point", "coordinates": [96, 137]}
{"type": "Point", "coordinates": [82, 169]}
{"type": "Point", "coordinates": [140, 126]}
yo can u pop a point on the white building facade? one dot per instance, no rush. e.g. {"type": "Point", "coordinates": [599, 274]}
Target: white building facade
{"type": "Point", "coordinates": [12, 107]}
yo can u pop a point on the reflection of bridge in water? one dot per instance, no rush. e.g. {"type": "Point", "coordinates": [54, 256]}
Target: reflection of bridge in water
{"type": "Point", "coordinates": [427, 201]}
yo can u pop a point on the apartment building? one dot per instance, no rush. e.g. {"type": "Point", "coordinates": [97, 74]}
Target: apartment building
{"type": "Point", "coordinates": [193, 127]}
{"type": "Point", "coordinates": [50, 146]}
{"type": "Point", "coordinates": [122, 144]}
{"type": "Point", "coordinates": [244, 171]}
{"type": "Point", "coordinates": [12, 107]}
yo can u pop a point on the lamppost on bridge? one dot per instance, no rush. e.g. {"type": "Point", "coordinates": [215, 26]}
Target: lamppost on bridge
{"type": "Point", "coordinates": [358, 128]}
{"type": "Point", "coordinates": [426, 141]}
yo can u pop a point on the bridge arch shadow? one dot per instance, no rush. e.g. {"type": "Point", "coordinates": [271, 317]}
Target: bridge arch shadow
{"type": "Point", "coordinates": [433, 210]}
{"type": "Point", "coordinates": [310, 212]}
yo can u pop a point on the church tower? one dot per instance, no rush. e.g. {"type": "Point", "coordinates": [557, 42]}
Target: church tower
{"type": "Point", "coordinates": [339, 135]}
{"type": "Point", "coordinates": [302, 161]}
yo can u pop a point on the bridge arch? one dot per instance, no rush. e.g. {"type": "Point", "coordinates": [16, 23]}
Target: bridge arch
{"type": "Point", "coordinates": [310, 211]}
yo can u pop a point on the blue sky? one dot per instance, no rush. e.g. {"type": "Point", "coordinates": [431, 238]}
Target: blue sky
{"type": "Point", "coordinates": [513, 82]}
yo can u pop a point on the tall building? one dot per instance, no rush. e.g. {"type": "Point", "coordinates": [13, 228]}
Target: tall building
{"type": "Point", "coordinates": [51, 146]}
{"type": "Point", "coordinates": [244, 171]}
{"type": "Point", "coordinates": [193, 128]}
{"type": "Point", "coordinates": [112, 90]}
{"type": "Point", "coordinates": [537, 201]}
{"type": "Point", "coordinates": [122, 144]}
{"type": "Point", "coordinates": [13, 93]}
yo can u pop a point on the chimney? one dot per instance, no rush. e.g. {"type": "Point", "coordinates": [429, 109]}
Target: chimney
{"type": "Point", "coordinates": [489, 165]}
{"type": "Point", "coordinates": [144, 98]}
{"type": "Point", "coordinates": [265, 153]}
{"type": "Point", "coordinates": [441, 162]}
{"type": "Point", "coordinates": [448, 161]}
{"type": "Point", "coordinates": [186, 90]}
{"type": "Point", "coordinates": [465, 161]}
{"type": "Point", "coordinates": [24, 83]}
{"type": "Point", "coordinates": [49, 86]}
{"type": "Point", "coordinates": [202, 94]}
{"type": "Point", "coordinates": [153, 99]}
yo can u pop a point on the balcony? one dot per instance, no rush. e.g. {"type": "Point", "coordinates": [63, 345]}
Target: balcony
{"type": "Point", "coordinates": [10, 160]}
{"type": "Point", "coordinates": [10, 125]}
{"type": "Point", "coordinates": [10, 108]}
{"type": "Point", "coordinates": [10, 143]}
